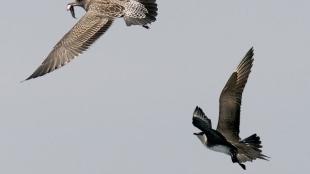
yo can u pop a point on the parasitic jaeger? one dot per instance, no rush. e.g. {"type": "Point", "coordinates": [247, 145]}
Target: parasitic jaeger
{"type": "Point", "coordinates": [225, 138]}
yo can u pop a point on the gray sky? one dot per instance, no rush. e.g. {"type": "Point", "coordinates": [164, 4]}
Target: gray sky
{"type": "Point", "coordinates": [125, 105]}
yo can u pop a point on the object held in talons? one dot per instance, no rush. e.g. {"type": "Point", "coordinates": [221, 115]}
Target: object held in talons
{"type": "Point", "coordinates": [71, 9]}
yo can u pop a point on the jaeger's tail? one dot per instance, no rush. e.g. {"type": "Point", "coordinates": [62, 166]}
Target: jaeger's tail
{"type": "Point", "coordinates": [140, 12]}
{"type": "Point", "coordinates": [253, 140]}
{"type": "Point", "coordinates": [249, 149]}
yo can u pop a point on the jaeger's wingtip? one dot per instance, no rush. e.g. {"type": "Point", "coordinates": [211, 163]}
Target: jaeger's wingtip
{"type": "Point", "coordinates": [251, 50]}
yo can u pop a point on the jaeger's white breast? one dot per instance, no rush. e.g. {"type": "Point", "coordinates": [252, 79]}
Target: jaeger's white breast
{"type": "Point", "coordinates": [220, 148]}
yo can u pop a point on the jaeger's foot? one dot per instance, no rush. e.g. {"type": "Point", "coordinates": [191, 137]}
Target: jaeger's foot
{"type": "Point", "coordinates": [242, 165]}
{"type": "Point", "coordinates": [234, 158]}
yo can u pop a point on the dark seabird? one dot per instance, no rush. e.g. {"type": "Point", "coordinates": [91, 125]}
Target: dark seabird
{"type": "Point", "coordinates": [99, 16]}
{"type": "Point", "coordinates": [226, 138]}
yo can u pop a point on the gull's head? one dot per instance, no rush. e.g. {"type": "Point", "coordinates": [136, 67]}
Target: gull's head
{"type": "Point", "coordinates": [71, 5]}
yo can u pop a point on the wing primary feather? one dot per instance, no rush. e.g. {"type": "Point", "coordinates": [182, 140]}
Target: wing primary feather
{"type": "Point", "coordinates": [200, 120]}
{"type": "Point", "coordinates": [231, 97]}
{"type": "Point", "coordinates": [89, 28]}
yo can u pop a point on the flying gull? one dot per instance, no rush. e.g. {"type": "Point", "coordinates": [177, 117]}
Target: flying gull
{"type": "Point", "coordinates": [99, 16]}
{"type": "Point", "coordinates": [226, 138]}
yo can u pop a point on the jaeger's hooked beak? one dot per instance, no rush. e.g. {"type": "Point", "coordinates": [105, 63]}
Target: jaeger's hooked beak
{"type": "Point", "coordinates": [70, 7]}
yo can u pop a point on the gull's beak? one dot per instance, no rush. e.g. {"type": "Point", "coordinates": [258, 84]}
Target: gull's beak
{"type": "Point", "coordinates": [70, 7]}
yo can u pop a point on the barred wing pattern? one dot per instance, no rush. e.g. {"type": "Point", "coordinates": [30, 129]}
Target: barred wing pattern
{"type": "Point", "coordinates": [88, 29]}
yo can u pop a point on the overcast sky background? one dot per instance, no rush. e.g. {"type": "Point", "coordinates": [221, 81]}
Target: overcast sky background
{"type": "Point", "coordinates": [125, 105]}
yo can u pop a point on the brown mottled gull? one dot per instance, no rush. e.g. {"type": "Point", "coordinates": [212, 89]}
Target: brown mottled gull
{"type": "Point", "coordinates": [97, 19]}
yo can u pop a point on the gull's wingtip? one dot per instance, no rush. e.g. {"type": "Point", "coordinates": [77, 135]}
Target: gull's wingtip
{"type": "Point", "coordinates": [30, 77]}
{"type": "Point", "coordinates": [22, 81]}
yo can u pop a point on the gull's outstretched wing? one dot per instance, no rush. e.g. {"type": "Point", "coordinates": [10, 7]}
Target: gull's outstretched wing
{"type": "Point", "coordinates": [230, 99]}
{"type": "Point", "coordinates": [88, 29]}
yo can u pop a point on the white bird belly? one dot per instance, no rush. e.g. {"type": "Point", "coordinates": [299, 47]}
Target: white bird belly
{"type": "Point", "coordinates": [220, 148]}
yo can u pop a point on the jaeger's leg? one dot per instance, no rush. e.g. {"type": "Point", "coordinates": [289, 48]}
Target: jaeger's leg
{"type": "Point", "coordinates": [234, 159]}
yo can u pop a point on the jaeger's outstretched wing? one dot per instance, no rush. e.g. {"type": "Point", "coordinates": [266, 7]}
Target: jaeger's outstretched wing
{"type": "Point", "coordinates": [230, 99]}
